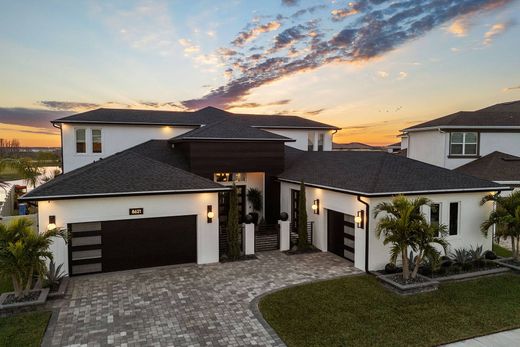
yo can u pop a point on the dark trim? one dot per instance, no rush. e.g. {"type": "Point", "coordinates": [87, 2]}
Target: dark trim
{"type": "Point", "coordinates": [483, 130]}
{"type": "Point", "coordinates": [127, 123]}
{"type": "Point", "coordinates": [101, 195]}
{"type": "Point", "coordinates": [367, 231]}
{"type": "Point", "coordinates": [61, 145]}
{"type": "Point", "coordinates": [377, 195]}
{"type": "Point", "coordinates": [286, 127]}
{"type": "Point", "coordinates": [452, 156]}
{"type": "Point", "coordinates": [218, 139]}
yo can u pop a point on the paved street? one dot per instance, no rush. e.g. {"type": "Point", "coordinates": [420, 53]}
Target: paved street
{"type": "Point", "coordinates": [185, 305]}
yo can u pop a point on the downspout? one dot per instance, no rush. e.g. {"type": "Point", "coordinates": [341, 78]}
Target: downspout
{"type": "Point", "coordinates": [367, 230]}
{"type": "Point", "coordinates": [61, 143]}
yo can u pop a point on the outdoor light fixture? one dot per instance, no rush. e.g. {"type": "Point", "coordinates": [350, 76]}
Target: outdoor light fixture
{"type": "Point", "coordinates": [359, 219]}
{"type": "Point", "coordinates": [210, 214]}
{"type": "Point", "coordinates": [52, 223]}
{"type": "Point", "coordinates": [316, 206]}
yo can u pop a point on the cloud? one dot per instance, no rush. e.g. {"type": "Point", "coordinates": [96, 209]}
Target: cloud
{"type": "Point", "coordinates": [189, 47]}
{"type": "Point", "coordinates": [342, 13]}
{"type": "Point", "coordinates": [507, 89]}
{"type": "Point", "coordinates": [496, 30]}
{"type": "Point", "coordinates": [377, 29]}
{"type": "Point", "coordinates": [460, 27]}
{"type": "Point", "coordinates": [402, 75]}
{"type": "Point", "coordinates": [246, 36]}
{"type": "Point", "coordinates": [68, 106]}
{"type": "Point", "coordinates": [382, 74]}
{"type": "Point", "coordinates": [39, 132]}
{"type": "Point", "coordinates": [31, 117]}
{"type": "Point", "coordinates": [290, 2]}
{"type": "Point", "coordinates": [255, 104]}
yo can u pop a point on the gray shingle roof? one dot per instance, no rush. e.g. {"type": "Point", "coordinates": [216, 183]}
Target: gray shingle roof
{"type": "Point", "coordinates": [229, 129]}
{"type": "Point", "coordinates": [125, 173]}
{"type": "Point", "coordinates": [500, 115]}
{"type": "Point", "coordinates": [496, 166]}
{"type": "Point", "coordinates": [203, 116]}
{"type": "Point", "coordinates": [375, 173]}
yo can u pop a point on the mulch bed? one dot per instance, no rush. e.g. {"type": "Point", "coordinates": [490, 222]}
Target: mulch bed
{"type": "Point", "coordinates": [302, 251]}
{"type": "Point", "coordinates": [398, 278]}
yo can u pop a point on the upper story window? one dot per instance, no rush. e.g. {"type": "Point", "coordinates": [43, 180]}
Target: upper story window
{"type": "Point", "coordinates": [321, 140]}
{"type": "Point", "coordinates": [81, 141]}
{"type": "Point", "coordinates": [223, 177]}
{"type": "Point", "coordinates": [310, 141]}
{"type": "Point", "coordinates": [464, 143]}
{"type": "Point", "coordinates": [96, 141]}
{"type": "Point", "coordinates": [435, 214]}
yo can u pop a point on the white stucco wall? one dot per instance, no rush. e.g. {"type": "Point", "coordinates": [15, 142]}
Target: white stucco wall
{"type": "Point", "coordinates": [116, 208]}
{"type": "Point", "coordinates": [471, 215]}
{"type": "Point", "coordinates": [301, 137]}
{"type": "Point", "coordinates": [433, 146]}
{"type": "Point", "coordinates": [115, 138]}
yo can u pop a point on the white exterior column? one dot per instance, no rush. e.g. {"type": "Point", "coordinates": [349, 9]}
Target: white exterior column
{"type": "Point", "coordinates": [285, 236]}
{"type": "Point", "coordinates": [249, 239]}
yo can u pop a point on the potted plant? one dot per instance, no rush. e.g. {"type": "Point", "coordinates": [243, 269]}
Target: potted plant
{"type": "Point", "coordinates": [254, 196]}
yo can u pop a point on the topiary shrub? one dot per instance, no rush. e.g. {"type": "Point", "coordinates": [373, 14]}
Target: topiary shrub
{"type": "Point", "coordinates": [490, 255]}
{"type": "Point", "coordinates": [391, 268]}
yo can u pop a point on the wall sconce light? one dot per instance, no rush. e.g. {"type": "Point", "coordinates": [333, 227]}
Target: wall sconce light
{"type": "Point", "coordinates": [210, 214]}
{"type": "Point", "coordinates": [316, 206]}
{"type": "Point", "coordinates": [360, 219]}
{"type": "Point", "coordinates": [52, 223]}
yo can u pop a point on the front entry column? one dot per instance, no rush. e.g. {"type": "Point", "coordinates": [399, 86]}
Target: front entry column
{"type": "Point", "coordinates": [285, 235]}
{"type": "Point", "coordinates": [249, 239]}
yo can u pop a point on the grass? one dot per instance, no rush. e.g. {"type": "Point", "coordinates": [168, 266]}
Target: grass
{"type": "Point", "coordinates": [358, 311]}
{"type": "Point", "coordinates": [502, 251]}
{"type": "Point", "coordinates": [24, 329]}
{"type": "Point", "coordinates": [9, 174]}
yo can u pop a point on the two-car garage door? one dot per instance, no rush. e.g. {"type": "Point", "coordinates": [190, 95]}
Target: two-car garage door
{"type": "Point", "coordinates": [133, 243]}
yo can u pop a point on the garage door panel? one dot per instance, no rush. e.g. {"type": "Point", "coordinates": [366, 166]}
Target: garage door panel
{"type": "Point", "coordinates": [131, 244]}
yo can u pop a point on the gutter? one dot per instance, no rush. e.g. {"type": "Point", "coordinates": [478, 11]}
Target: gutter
{"type": "Point", "coordinates": [61, 143]}
{"type": "Point", "coordinates": [367, 230]}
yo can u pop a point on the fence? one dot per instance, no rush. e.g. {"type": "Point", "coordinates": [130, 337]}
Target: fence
{"type": "Point", "coordinates": [223, 239]}
{"type": "Point", "coordinates": [267, 237]}
{"type": "Point", "coordinates": [294, 233]}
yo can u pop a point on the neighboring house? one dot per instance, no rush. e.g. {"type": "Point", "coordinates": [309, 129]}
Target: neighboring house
{"type": "Point", "coordinates": [497, 166]}
{"type": "Point", "coordinates": [96, 134]}
{"type": "Point", "coordinates": [165, 200]}
{"type": "Point", "coordinates": [460, 138]}
{"type": "Point", "coordinates": [393, 148]}
{"type": "Point", "coordinates": [354, 146]}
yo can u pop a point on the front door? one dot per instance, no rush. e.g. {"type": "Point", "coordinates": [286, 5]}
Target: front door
{"type": "Point", "coordinates": [223, 205]}
{"type": "Point", "coordinates": [341, 234]}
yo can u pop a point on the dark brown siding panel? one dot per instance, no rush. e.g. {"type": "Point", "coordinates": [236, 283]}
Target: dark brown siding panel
{"type": "Point", "coordinates": [207, 158]}
{"type": "Point", "coordinates": [138, 243]}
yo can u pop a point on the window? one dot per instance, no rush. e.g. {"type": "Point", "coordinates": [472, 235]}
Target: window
{"type": "Point", "coordinates": [321, 138]}
{"type": "Point", "coordinates": [454, 218]}
{"type": "Point", "coordinates": [229, 177]}
{"type": "Point", "coordinates": [310, 141]}
{"type": "Point", "coordinates": [96, 141]}
{"type": "Point", "coordinates": [462, 143]}
{"type": "Point", "coordinates": [81, 142]}
{"type": "Point", "coordinates": [435, 214]}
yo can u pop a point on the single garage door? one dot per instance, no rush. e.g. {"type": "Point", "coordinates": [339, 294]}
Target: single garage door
{"type": "Point", "coordinates": [132, 243]}
{"type": "Point", "coordinates": [341, 234]}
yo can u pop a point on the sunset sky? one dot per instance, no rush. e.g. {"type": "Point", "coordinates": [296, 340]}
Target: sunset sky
{"type": "Point", "coordinates": [370, 67]}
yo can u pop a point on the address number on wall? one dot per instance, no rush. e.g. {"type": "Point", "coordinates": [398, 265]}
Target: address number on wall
{"type": "Point", "coordinates": [136, 211]}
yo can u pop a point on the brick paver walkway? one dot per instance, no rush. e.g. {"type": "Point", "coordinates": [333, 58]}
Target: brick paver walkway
{"type": "Point", "coordinates": [188, 305]}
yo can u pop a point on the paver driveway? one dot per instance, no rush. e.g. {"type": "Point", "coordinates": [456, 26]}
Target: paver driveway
{"type": "Point", "coordinates": [188, 305]}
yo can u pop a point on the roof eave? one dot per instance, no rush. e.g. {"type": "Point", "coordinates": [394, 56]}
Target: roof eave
{"type": "Point", "coordinates": [223, 139]}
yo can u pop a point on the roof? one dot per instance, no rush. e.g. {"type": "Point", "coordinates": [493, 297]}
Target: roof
{"type": "Point", "coordinates": [125, 173]}
{"type": "Point", "coordinates": [496, 166]}
{"type": "Point", "coordinates": [354, 146]}
{"type": "Point", "coordinates": [376, 174]}
{"type": "Point", "coordinates": [394, 145]}
{"type": "Point", "coordinates": [497, 116]}
{"type": "Point", "coordinates": [200, 117]}
{"type": "Point", "coordinates": [229, 129]}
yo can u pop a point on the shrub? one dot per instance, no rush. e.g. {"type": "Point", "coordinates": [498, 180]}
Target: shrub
{"type": "Point", "coordinates": [53, 275]}
{"type": "Point", "coordinates": [391, 268]}
{"type": "Point", "coordinates": [477, 256]}
{"type": "Point", "coordinates": [490, 255]}
{"type": "Point", "coordinates": [462, 258]}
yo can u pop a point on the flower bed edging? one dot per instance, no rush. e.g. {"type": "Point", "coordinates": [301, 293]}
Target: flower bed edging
{"type": "Point", "coordinates": [472, 274]}
{"type": "Point", "coordinates": [39, 301]}
{"type": "Point", "coordinates": [427, 285]}
{"type": "Point", "coordinates": [62, 289]}
{"type": "Point", "coordinates": [503, 262]}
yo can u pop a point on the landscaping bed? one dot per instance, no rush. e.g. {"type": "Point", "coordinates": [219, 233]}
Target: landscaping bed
{"type": "Point", "coordinates": [358, 311]}
{"type": "Point", "coordinates": [295, 251]}
{"type": "Point", "coordinates": [509, 262]}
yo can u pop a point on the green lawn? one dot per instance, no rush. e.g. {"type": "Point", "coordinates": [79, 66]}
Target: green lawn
{"type": "Point", "coordinates": [25, 329]}
{"type": "Point", "coordinates": [358, 311]}
{"type": "Point", "coordinates": [501, 251]}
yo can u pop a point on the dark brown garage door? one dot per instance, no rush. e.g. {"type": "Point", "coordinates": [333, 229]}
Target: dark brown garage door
{"type": "Point", "coordinates": [341, 234]}
{"type": "Point", "coordinates": [133, 243]}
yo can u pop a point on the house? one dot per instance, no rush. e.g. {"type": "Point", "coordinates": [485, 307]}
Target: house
{"type": "Point", "coordinates": [497, 166]}
{"type": "Point", "coordinates": [462, 137]}
{"type": "Point", "coordinates": [149, 188]}
{"type": "Point", "coordinates": [354, 146]}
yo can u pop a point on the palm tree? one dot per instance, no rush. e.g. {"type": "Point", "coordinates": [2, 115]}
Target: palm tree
{"type": "Point", "coordinates": [404, 226]}
{"type": "Point", "coordinates": [29, 171]}
{"type": "Point", "coordinates": [506, 217]}
{"type": "Point", "coordinates": [23, 253]}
